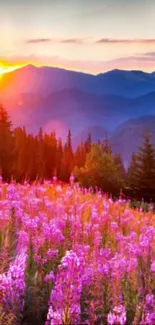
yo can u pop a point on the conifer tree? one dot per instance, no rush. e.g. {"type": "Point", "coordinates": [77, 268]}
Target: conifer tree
{"type": "Point", "coordinates": [120, 165]}
{"type": "Point", "coordinates": [40, 154]}
{"type": "Point", "coordinates": [68, 157]}
{"type": "Point", "coordinates": [51, 154]}
{"type": "Point", "coordinates": [132, 177]}
{"type": "Point", "coordinates": [141, 174]}
{"type": "Point", "coordinates": [21, 154]}
{"type": "Point", "coordinates": [6, 145]}
{"type": "Point", "coordinates": [88, 143]}
{"type": "Point", "coordinates": [59, 159]}
{"type": "Point", "coordinates": [106, 145]}
{"type": "Point", "coordinates": [80, 155]}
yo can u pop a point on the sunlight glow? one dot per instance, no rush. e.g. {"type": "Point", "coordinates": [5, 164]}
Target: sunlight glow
{"type": "Point", "coordinates": [1, 70]}
{"type": "Point", "coordinates": [4, 69]}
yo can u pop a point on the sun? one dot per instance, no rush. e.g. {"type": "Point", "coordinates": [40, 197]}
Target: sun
{"type": "Point", "coordinates": [1, 71]}
{"type": "Point", "coordinates": [6, 69]}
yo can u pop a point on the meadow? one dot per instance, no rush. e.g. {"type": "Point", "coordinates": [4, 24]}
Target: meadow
{"type": "Point", "coordinates": [71, 256]}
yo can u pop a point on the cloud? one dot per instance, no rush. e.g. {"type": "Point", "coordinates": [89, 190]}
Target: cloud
{"type": "Point", "coordinates": [126, 41]}
{"type": "Point", "coordinates": [136, 62]}
{"type": "Point", "coordinates": [38, 40]}
{"type": "Point", "coordinates": [108, 40]}
{"type": "Point", "coordinates": [150, 55]}
{"type": "Point", "coordinates": [89, 40]}
{"type": "Point", "coordinates": [57, 41]}
{"type": "Point", "coordinates": [72, 41]}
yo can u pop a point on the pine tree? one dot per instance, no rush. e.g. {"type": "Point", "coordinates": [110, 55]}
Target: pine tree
{"type": "Point", "coordinates": [40, 154]}
{"type": "Point", "coordinates": [120, 165]}
{"type": "Point", "coordinates": [59, 159]}
{"type": "Point", "coordinates": [146, 169]}
{"type": "Point", "coordinates": [80, 155]}
{"type": "Point", "coordinates": [6, 145]}
{"type": "Point", "coordinates": [68, 158]}
{"type": "Point", "coordinates": [32, 164]}
{"type": "Point", "coordinates": [50, 154]}
{"type": "Point", "coordinates": [21, 153]}
{"type": "Point", "coordinates": [141, 174]}
{"type": "Point", "coordinates": [69, 143]}
{"type": "Point", "coordinates": [106, 145]}
{"type": "Point", "coordinates": [88, 143]}
{"type": "Point", "coordinates": [132, 176]}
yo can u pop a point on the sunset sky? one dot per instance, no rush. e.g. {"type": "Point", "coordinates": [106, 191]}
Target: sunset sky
{"type": "Point", "coordinates": [87, 35]}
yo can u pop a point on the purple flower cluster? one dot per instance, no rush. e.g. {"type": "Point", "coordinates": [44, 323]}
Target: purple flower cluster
{"type": "Point", "coordinates": [95, 256]}
{"type": "Point", "coordinates": [117, 316]}
{"type": "Point", "coordinates": [148, 316]}
{"type": "Point", "coordinates": [64, 305]}
{"type": "Point", "coordinates": [12, 283]}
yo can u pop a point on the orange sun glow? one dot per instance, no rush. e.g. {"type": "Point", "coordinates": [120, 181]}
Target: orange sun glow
{"type": "Point", "coordinates": [1, 70]}
{"type": "Point", "coordinates": [4, 69]}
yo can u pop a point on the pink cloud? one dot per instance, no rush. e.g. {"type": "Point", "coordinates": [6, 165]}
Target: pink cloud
{"type": "Point", "coordinates": [144, 62]}
{"type": "Point", "coordinates": [126, 41]}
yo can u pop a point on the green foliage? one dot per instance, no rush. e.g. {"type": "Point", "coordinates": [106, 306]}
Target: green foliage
{"type": "Point", "coordinates": [100, 170]}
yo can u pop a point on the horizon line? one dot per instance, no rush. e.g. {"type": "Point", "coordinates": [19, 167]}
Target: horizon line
{"type": "Point", "coordinates": [38, 66]}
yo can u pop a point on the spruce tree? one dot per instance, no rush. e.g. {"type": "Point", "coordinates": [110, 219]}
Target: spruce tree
{"type": "Point", "coordinates": [146, 169]}
{"type": "Point", "coordinates": [141, 173]}
{"type": "Point", "coordinates": [106, 145]}
{"type": "Point", "coordinates": [6, 145]}
{"type": "Point", "coordinates": [21, 154]}
{"type": "Point", "coordinates": [132, 176]}
{"type": "Point", "coordinates": [80, 155]}
{"type": "Point", "coordinates": [68, 158]}
{"type": "Point", "coordinates": [40, 154]}
{"type": "Point", "coordinates": [50, 154]}
{"type": "Point", "coordinates": [120, 165]}
{"type": "Point", "coordinates": [88, 143]}
{"type": "Point", "coordinates": [59, 159]}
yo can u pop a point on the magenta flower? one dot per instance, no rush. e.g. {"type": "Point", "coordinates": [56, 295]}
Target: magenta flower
{"type": "Point", "coordinates": [153, 266]}
{"type": "Point", "coordinates": [64, 304]}
{"type": "Point", "coordinates": [118, 316]}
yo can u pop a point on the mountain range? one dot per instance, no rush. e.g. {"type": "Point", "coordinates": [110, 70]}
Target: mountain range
{"type": "Point", "coordinates": [46, 80]}
{"type": "Point", "coordinates": [120, 103]}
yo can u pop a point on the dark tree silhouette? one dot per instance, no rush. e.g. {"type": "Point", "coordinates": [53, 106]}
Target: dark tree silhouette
{"type": "Point", "coordinates": [6, 145]}
{"type": "Point", "coordinates": [141, 173]}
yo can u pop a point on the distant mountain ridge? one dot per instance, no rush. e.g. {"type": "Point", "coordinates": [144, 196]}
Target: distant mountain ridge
{"type": "Point", "coordinates": [47, 80]}
{"type": "Point", "coordinates": [76, 109]}
{"type": "Point", "coordinates": [97, 132]}
{"type": "Point", "coordinates": [125, 139]}
{"type": "Point", "coordinates": [118, 102]}
{"type": "Point", "coordinates": [129, 135]}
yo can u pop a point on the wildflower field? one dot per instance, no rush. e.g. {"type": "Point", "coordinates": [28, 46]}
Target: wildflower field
{"type": "Point", "coordinates": [69, 256]}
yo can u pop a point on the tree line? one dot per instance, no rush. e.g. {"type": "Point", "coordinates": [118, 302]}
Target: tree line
{"type": "Point", "coordinates": [42, 156]}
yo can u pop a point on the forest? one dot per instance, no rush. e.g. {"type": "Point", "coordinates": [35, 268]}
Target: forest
{"type": "Point", "coordinates": [43, 156]}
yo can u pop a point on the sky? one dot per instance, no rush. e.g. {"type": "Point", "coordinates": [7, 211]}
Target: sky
{"type": "Point", "coordinates": [92, 36]}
